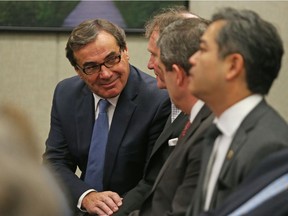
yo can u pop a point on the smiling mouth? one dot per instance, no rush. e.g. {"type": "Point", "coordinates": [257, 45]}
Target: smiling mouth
{"type": "Point", "coordinates": [110, 84]}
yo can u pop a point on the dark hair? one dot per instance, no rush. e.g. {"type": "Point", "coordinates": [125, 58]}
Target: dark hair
{"type": "Point", "coordinates": [87, 32]}
{"type": "Point", "coordinates": [163, 18]}
{"type": "Point", "coordinates": [257, 40]}
{"type": "Point", "coordinates": [180, 40]}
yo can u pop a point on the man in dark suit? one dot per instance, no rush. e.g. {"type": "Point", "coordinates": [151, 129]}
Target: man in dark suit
{"type": "Point", "coordinates": [239, 58]}
{"type": "Point", "coordinates": [137, 114]}
{"type": "Point", "coordinates": [175, 123]}
{"type": "Point", "coordinates": [176, 183]}
{"type": "Point", "coordinates": [269, 170]}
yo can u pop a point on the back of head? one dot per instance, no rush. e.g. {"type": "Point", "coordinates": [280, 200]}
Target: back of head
{"type": "Point", "coordinates": [17, 135]}
{"type": "Point", "coordinates": [26, 187]}
{"type": "Point", "coordinates": [180, 40]}
{"type": "Point", "coordinates": [164, 17]}
{"type": "Point", "coordinates": [87, 32]}
{"type": "Point", "coordinates": [26, 190]}
{"type": "Point", "coordinates": [257, 40]}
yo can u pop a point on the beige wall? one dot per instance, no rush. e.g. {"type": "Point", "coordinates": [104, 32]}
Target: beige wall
{"type": "Point", "coordinates": [32, 64]}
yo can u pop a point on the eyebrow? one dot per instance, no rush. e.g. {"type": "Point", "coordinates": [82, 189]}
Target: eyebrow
{"type": "Point", "coordinates": [111, 54]}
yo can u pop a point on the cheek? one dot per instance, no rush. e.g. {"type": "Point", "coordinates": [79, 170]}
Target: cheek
{"type": "Point", "coordinates": [160, 74]}
{"type": "Point", "coordinates": [89, 80]}
{"type": "Point", "coordinates": [123, 79]}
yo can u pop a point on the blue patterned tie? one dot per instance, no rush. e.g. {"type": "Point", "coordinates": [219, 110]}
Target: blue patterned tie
{"type": "Point", "coordinates": [95, 165]}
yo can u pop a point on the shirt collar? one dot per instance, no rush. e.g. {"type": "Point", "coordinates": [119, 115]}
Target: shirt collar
{"type": "Point", "coordinates": [112, 101]}
{"type": "Point", "coordinates": [230, 120]}
{"type": "Point", "coordinates": [196, 109]}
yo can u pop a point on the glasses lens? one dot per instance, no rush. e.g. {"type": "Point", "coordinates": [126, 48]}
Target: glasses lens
{"type": "Point", "coordinates": [91, 69]}
{"type": "Point", "coordinates": [113, 61]}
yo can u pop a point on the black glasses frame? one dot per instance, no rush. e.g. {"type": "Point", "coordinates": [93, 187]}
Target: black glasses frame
{"type": "Point", "coordinates": [110, 62]}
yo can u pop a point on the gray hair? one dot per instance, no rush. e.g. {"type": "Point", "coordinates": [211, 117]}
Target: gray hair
{"type": "Point", "coordinates": [163, 18]}
{"type": "Point", "coordinates": [180, 40]}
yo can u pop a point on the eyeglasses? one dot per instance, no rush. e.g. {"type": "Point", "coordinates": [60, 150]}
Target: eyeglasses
{"type": "Point", "coordinates": [96, 68]}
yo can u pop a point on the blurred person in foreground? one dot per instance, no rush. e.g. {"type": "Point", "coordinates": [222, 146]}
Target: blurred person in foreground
{"type": "Point", "coordinates": [238, 60]}
{"type": "Point", "coordinates": [176, 121]}
{"type": "Point", "coordinates": [134, 109]}
{"type": "Point", "coordinates": [27, 188]}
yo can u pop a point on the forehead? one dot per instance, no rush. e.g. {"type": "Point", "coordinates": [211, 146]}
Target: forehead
{"type": "Point", "coordinates": [105, 39]}
{"type": "Point", "coordinates": [152, 44]}
{"type": "Point", "coordinates": [98, 49]}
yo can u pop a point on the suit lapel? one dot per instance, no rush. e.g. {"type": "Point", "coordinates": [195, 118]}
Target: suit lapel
{"type": "Point", "coordinates": [269, 170]}
{"type": "Point", "coordinates": [168, 131]}
{"type": "Point", "coordinates": [238, 142]}
{"type": "Point", "coordinates": [201, 116]}
{"type": "Point", "coordinates": [241, 135]}
{"type": "Point", "coordinates": [207, 149]}
{"type": "Point", "coordinates": [85, 116]}
{"type": "Point", "coordinates": [122, 115]}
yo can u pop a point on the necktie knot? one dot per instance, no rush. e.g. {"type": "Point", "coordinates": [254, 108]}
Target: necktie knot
{"type": "Point", "coordinates": [213, 132]}
{"type": "Point", "coordinates": [103, 106]}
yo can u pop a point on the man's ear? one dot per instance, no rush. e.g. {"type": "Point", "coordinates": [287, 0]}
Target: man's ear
{"type": "Point", "coordinates": [235, 65]}
{"type": "Point", "coordinates": [126, 53]}
{"type": "Point", "coordinates": [179, 73]}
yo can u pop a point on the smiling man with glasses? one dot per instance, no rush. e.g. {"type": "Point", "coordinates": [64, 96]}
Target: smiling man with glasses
{"type": "Point", "coordinates": [137, 111]}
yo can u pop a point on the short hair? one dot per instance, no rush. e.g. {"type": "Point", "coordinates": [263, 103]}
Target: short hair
{"type": "Point", "coordinates": [180, 40]}
{"type": "Point", "coordinates": [257, 40]}
{"type": "Point", "coordinates": [163, 18]}
{"type": "Point", "coordinates": [87, 32]}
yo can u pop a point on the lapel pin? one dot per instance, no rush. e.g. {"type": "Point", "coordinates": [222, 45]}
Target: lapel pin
{"type": "Point", "coordinates": [230, 154]}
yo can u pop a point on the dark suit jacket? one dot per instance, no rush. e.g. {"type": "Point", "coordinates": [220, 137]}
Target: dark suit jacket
{"type": "Point", "coordinates": [261, 133]}
{"type": "Point", "coordinates": [138, 120]}
{"type": "Point", "coordinates": [135, 197]}
{"type": "Point", "coordinates": [271, 168]}
{"type": "Point", "coordinates": [176, 183]}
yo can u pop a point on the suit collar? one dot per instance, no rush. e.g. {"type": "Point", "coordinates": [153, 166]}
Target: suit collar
{"type": "Point", "coordinates": [168, 131]}
{"type": "Point", "coordinates": [203, 114]}
{"type": "Point", "coordinates": [230, 120]}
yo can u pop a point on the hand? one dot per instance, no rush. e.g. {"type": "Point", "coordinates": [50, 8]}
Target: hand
{"type": "Point", "coordinates": [101, 203]}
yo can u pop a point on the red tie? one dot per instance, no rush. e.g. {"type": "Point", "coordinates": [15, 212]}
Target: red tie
{"type": "Point", "coordinates": [184, 131]}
